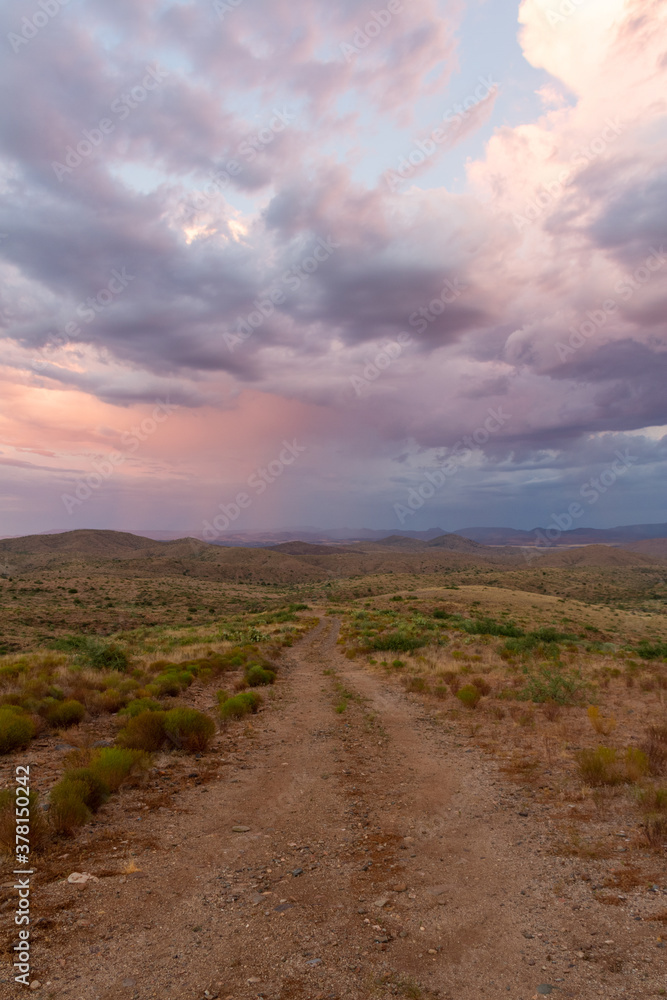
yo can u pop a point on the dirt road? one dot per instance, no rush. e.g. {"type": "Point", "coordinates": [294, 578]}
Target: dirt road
{"type": "Point", "coordinates": [381, 857]}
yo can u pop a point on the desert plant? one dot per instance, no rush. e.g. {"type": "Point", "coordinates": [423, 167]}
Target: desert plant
{"type": "Point", "coordinates": [240, 705]}
{"type": "Point", "coordinates": [655, 830]}
{"type": "Point", "coordinates": [416, 685]}
{"type": "Point", "coordinates": [67, 808]}
{"type": "Point", "coordinates": [63, 714]}
{"type": "Point", "coordinates": [655, 748]}
{"type": "Point", "coordinates": [601, 724]}
{"type": "Point", "coordinates": [600, 766]}
{"type": "Point", "coordinates": [139, 705]}
{"type": "Point", "coordinates": [441, 691]}
{"type": "Point", "coordinates": [190, 729]}
{"type": "Point", "coordinates": [653, 799]}
{"type": "Point", "coordinates": [551, 710]}
{"type": "Point", "coordinates": [39, 830]}
{"type": "Point", "coordinates": [95, 790]}
{"type": "Point", "coordinates": [143, 732]}
{"type": "Point", "coordinates": [114, 765]}
{"type": "Point", "coordinates": [468, 695]}
{"type": "Point", "coordinates": [258, 676]}
{"type": "Point", "coordinates": [16, 729]}
{"type": "Point", "coordinates": [636, 764]}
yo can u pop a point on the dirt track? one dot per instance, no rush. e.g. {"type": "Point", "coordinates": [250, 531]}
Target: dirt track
{"type": "Point", "coordinates": [383, 858]}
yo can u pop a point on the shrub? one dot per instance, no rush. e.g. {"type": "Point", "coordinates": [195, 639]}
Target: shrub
{"type": "Point", "coordinates": [603, 726]}
{"type": "Point", "coordinates": [655, 748]}
{"type": "Point", "coordinates": [63, 714]}
{"type": "Point", "coordinates": [172, 682]}
{"type": "Point", "coordinates": [399, 642]}
{"type": "Point", "coordinates": [482, 685]}
{"type": "Point", "coordinates": [552, 684]}
{"type": "Point", "coordinates": [16, 730]}
{"type": "Point", "coordinates": [108, 656]}
{"type": "Point", "coordinates": [95, 790]}
{"type": "Point", "coordinates": [441, 691]}
{"type": "Point", "coordinates": [655, 830]}
{"type": "Point", "coordinates": [240, 705]}
{"type": "Point", "coordinates": [552, 711]}
{"type": "Point", "coordinates": [8, 819]}
{"type": "Point", "coordinates": [468, 696]}
{"type": "Point", "coordinates": [143, 732]}
{"type": "Point", "coordinates": [653, 799]}
{"type": "Point", "coordinates": [114, 765]}
{"type": "Point", "coordinates": [67, 809]}
{"type": "Point", "coordinates": [139, 705]}
{"type": "Point", "coordinates": [189, 728]}
{"type": "Point", "coordinates": [415, 685]}
{"type": "Point", "coordinates": [257, 676]}
{"type": "Point", "coordinates": [599, 767]}
{"type": "Point", "coordinates": [636, 764]}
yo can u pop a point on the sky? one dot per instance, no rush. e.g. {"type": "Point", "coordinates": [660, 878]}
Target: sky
{"type": "Point", "coordinates": [271, 265]}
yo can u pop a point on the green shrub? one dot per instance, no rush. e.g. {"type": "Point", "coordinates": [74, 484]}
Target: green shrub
{"type": "Point", "coordinates": [114, 765]}
{"type": "Point", "coordinates": [67, 808]}
{"type": "Point", "coordinates": [468, 695]}
{"type": "Point", "coordinates": [600, 766]}
{"type": "Point", "coordinates": [399, 642]}
{"type": "Point", "coordinates": [139, 705]}
{"type": "Point", "coordinates": [636, 764]}
{"type": "Point", "coordinates": [96, 790]}
{"type": "Point", "coordinates": [257, 676]}
{"type": "Point", "coordinates": [63, 714]}
{"type": "Point", "coordinates": [143, 732]}
{"type": "Point", "coordinates": [8, 820]}
{"type": "Point", "coordinates": [549, 684]}
{"type": "Point", "coordinates": [240, 705]}
{"type": "Point", "coordinates": [190, 729]}
{"type": "Point", "coordinates": [416, 685]}
{"type": "Point", "coordinates": [16, 730]}
{"type": "Point", "coordinates": [172, 682]}
{"type": "Point", "coordinates": [108, 656]}
{"type": "Point", "coordinates": [441, 691]}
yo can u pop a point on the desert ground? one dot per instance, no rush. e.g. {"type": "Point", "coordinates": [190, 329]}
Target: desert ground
{"type": "Point", "coordinates": [447, 778]}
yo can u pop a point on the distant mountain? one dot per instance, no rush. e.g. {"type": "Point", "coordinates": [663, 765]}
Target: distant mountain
{"type": "Point", "coordinates": [623, 535]}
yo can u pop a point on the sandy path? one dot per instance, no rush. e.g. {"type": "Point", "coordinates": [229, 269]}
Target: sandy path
{"type": "Point", "coordinates": [382, 858]}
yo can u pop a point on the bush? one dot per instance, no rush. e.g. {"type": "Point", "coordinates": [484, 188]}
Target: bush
{"type": "Point", "coordinates": [114, 765]}
{"type": "Point", "coordinates": [599, 767]}
{"type": "Point", "coordinates": [190, 729]}
{"type": "Point", "coordinates": [416, 685]}
{"type": "Point", "coordinates": [38, 826]}
{"type": "Point", "coordinates": [257, 676]}
{"type": "Point", "coordinates": [95, 790]}
{"type": "Point", "coordinates": [144, 732]}
{"type": "Point", "coordinates": [468, 696]}
{"type": "Point", "coordinates": [172, 682]}
{"type": "Point", "coordinates": [67, 809]}
{"type": "Point", "coordinates": [441, 691]}
{"type": "Point", "coordinates": [239, 705]}
{"type": "Point", "coordinates": [636, 764]}
{"type": "Point", "coordinates": [139, 705]}
{"type": "Point", "coordinates": [63, 714]}
{"type": "Point", "coordinates": [603, 726]}
{"type": "Point", "coordinates": [482, 685]}
{"type": "Point", "coordinates": [16, 730]}
{"type": "Point", "coordinates": [655, 748]}
{"type": "Point", "coordinates": [108, 656]}
{"type": "Point", "coordinates": [552, 685]}
{"type": "Point", "coordinates": [399, 642]}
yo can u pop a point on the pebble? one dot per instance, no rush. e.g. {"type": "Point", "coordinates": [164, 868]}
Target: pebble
{"type": "Point", "coordinates": [240, 829]}
{"type": "Point", "coordinates": [400, 888]}
{"type": "Point", "coordinates": [35, 984]}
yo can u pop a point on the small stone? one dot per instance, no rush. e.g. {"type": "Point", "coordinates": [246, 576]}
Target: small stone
{"type": "Point", "coordinates": [382, 901]}
{"type": "Point", "coordinates": [35, 984]}
{"type": "Point", "coordinates": [314, 961]}
{"type": "Point", "coordinates": [609, 941]}
{"type": "Point", "coordinates": [129, 982]}
{"type": "Point", "coordinates": [240, 829]}
{"type": "Point", "coordinates": [253, 979]}
{"type": "Point", "coordinates": [297, 871]}
{"type": "Point", "coordinates": [400, 888]}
